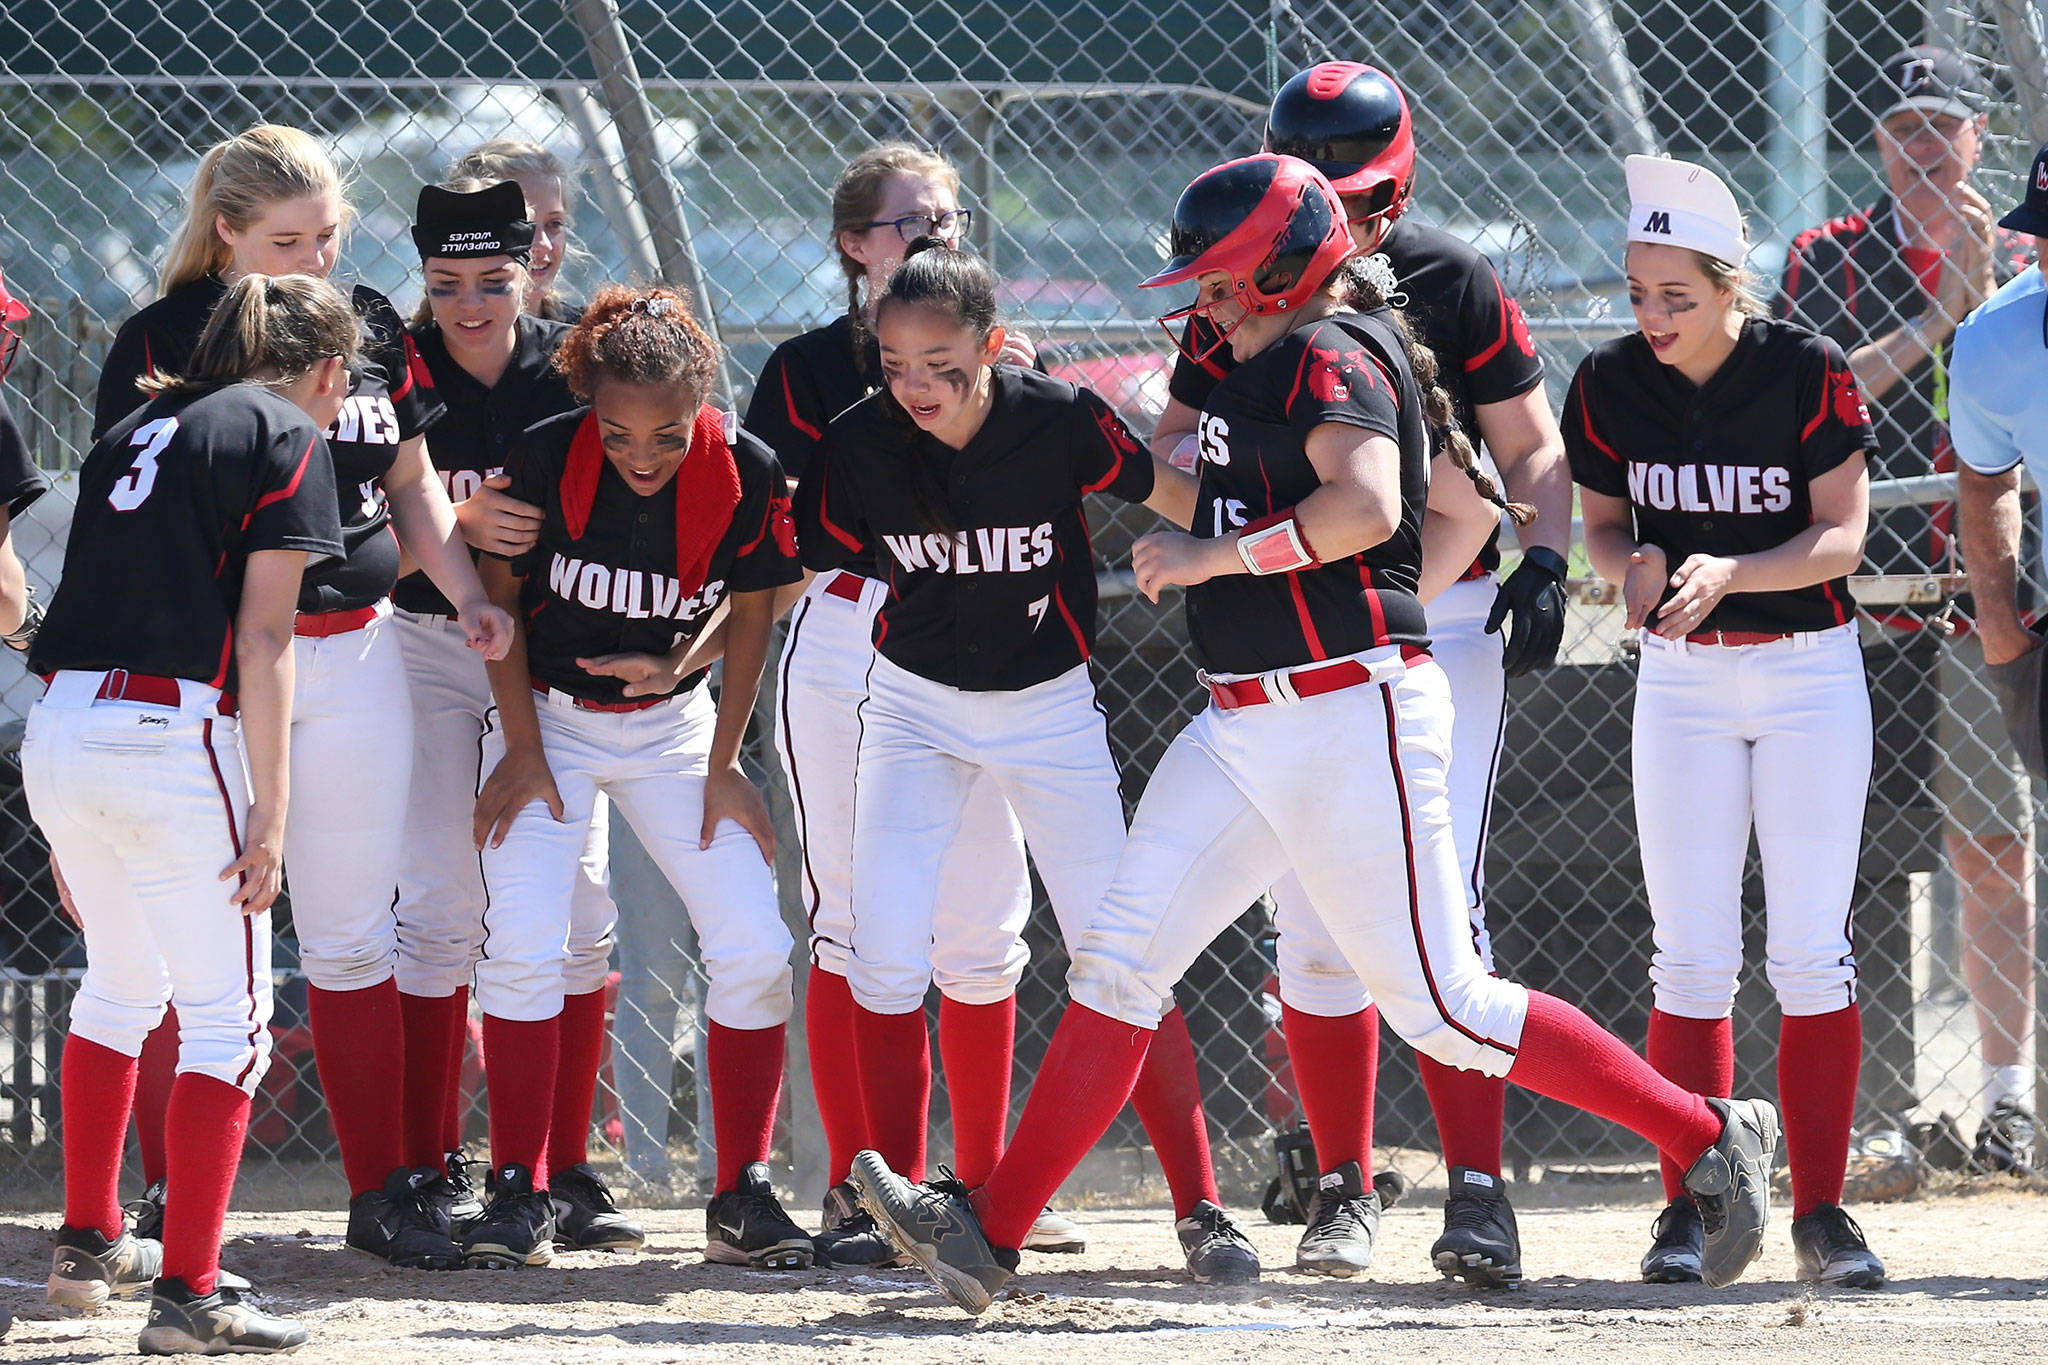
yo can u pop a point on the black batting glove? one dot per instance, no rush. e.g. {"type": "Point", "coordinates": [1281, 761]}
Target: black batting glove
{"type": "Point", "coordinates": [1534, 595]}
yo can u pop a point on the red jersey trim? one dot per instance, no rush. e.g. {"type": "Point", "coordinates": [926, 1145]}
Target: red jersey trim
{"type": "Point", "coordinates": [1475, 363]}
{"type": "Point", "coordinates": [1308, 627]}
{"type": "Point", "coordinates": [796, 418]}
{"type": "Point", "coordinates": [1586, 421]}
{"type": "Point", "coordinates": [280, 494]}
{"type": "Point", "coordinates": [832, 528]}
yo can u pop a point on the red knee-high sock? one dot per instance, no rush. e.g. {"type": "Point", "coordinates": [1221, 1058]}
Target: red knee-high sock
{"type": "Point", "coordinates": [746, 1085]}
{"type": "Point", "coordinates": [835, 1069]}
{"type": "Point", "coordinates": [521, 1081]}
{"type": "Point", "coordinates": [1168, 1098]}
{"type": "Point", "coordinates": [1568, 1057]}
{"type": "Point", "coordinates": [582, 1052]}
{"type": "Point", "coordinates": [1088, 1073]}
{"type": "Point", "coordinates": [976, 1044]}
{"type": "Point", "coordinates": [1818, 1058]}
{"type": "Point", "coordinates": [158, 1068]}
{"type": "Point", "coordinates": [1469, 1108]}
{"type": "Point", "coordinates": [895, 1084]}
{"type": "Point", "coordinates": [429, 1020]}
{"type": "Point", "coordinates": [359, 1047]}
{"type": "Point", "coordinates": [1336, 1061]}
{"type": "Point", "coordinates": [1698, 1055]}
{"type": "Point", "coordinates": [451, 1095]}
{"type": "Point", "coordinates": [208, 1121]}
{"type": "Point", "coordinates": [98, 1088]}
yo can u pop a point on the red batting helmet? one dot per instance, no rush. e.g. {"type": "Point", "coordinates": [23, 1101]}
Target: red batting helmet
{"type": "Point", "coordinates": [1350, 121]}
{"type": "Point", "coordinates": [12, 310]}
{"type": "Point", "coordinates": [1272, 223]}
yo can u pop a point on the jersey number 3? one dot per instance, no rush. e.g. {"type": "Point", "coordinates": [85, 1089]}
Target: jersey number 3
{"type": "Point", "coordinates": [134, 487]}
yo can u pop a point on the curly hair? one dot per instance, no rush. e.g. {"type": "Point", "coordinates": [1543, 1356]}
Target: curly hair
{"type": "Point", "coordinates": [645, 335]}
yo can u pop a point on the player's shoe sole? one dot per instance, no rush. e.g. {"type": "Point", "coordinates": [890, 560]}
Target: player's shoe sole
{"type": "Point", "coordinates": [1731, 1186]}
{"type": "Point", "coordinates": [785, 1255]}
{"type": "Point", "coordinates": [903, 1210]}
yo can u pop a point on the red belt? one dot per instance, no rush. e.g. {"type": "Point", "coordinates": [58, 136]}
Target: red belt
{"type": "Point", "coordinates": [1311, 681]}
{"type": "Point", "coordinates": [847, 585]}
{"type": "Point", "coordinates": [614, 707]}
{"type": "Point", "coordinates": [318, 625]}
{"type": "Point", "coordinates": [150, 690]}
{"type": "Point", "coordinates": [1737, 637]}
{"type": "Point", "coordinates": [1477, 570]}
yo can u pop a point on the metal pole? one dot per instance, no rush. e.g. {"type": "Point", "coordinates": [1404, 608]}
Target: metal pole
{"type": "Point", "coordinates": [611, 182]}
{"type": "Point", "coordinates": [604, 38]}
{"type": "Point", "coordinates": [1601, 48]}
{"type": "Point", "coordinates": [2019, 28]}
{"type": "Point", "coordinates": [1796, 148]}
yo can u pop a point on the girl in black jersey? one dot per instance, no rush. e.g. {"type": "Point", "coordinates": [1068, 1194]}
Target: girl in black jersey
{"type": "Point", "coordinates": [1720, 458]}
{"type": "Point", "coordinates": [964, 479]}
{"type": "Point", "coordinates": [492, 364]}
{"type": "Point", "coordinates": [159, 766]}
{"type": "Point", "coordinates": [271, 197]}
{"type": "Point", "coordinates": [656, 511]}
{"type": "Point", "coordinates": [886, 197]}
{"type": "Point", "coordinates": [1323, 749]}
{"type": "Point", "coordinates": [544, 180]}
{"type": "Point", "coordinates": [21, 483]}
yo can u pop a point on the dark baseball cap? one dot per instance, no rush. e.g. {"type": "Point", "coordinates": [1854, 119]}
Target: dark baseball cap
{"type": "Point", "coordinates": [1932, 80]}
{"type": "Point", "coordinates": [2031, 217]}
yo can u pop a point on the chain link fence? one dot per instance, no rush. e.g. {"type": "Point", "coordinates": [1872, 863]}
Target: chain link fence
{"type": "Point", "coordinates": [706, 137]}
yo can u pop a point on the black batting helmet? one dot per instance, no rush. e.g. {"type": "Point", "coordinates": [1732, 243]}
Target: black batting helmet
{"type": "Point", "coordinates": [1351, 122]}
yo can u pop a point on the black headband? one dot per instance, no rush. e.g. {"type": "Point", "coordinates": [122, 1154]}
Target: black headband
{"type": "Point", "coordinates": [459, 226]}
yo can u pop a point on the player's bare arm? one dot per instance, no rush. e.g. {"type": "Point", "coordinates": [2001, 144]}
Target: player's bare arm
{"type": "Point", "coordinates": [13, 582]}
{"type": "Point", "coordinates": [728, 793]}
{"type": "Point", "coordinates": [263, 664]}
{"type": "Point", "coordinates": [1173, 439]}
{"type": "Point", "coordinates": [1456, 524]}
{"type": "Point", "coordinates": [522, 775]}
{"type": "Point", "coordinates": [1521, 434]}
{"type": "Point", "coordinates": [1989, 517]}
{"type": "Point", "coordinates": [1611, 544]}
{"type": "Point", "coordinates": [496, 523]}
{"type": "Point", "coordinates": [432, 541]}
{"type": "Point", "coordinates": [1173, 493]}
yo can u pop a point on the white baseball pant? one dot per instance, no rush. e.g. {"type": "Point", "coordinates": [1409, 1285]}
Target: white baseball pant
{"type": "Point", "coordinates": [652, 764]}
{"type": "Point", "coordinates": [1777, 734]}
{"type": "Point", "coordinates": [1348, 790]}
{"type": "Point", "coordinates": [923, 746]}
{"type": "Point", "coordinates": [1314, 977]}
{"type": "Point", "coordinates": [351, 763]}
{"type": "Point", "coordinates": [984, 898]}
{"type": "Point", "coordinates": [142, 807]}
{"type": "Point", "coordinates": [440, 912]}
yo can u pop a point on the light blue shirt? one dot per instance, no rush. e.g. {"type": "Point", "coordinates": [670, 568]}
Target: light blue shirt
{"type": "Point", "coordinates": [1998, 382]}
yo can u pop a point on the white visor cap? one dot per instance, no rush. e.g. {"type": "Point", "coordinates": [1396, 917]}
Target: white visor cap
{"type": "Point", "coordinates": [1677, 203]}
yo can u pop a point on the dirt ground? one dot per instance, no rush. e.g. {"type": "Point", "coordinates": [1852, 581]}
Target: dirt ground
{"type": "Point", "coordinates": [1970, 1283]}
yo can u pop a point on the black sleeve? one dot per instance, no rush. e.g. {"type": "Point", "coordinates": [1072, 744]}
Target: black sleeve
{"type": "Point", "coordinates": [295, 507]}
{"type": "Point", "coordinates": [768, 557]}
{"type": "Point", "coordinates": [534, 464]}
{"type": "Point", "coordinates": [1500, 359]}
{"type": "Point", "coordinates": [787, 412]}
{"type": "Point", "coordinates": [1193, 380]}
{"type": "Point", "coordinates": [1593, 461]}
{"type": "Point", "coordinates": [387, 346]}
{"type": "Point", "coordinates": [127, 361]}
{"type": "Point", "coordinates": [830, 529]}
{"type": "Point", "coordinates": [1833, 421]}
{"type": "Point", "coordinates": [1335, 377]}
{"type": "Point", "coordinates": [21, 483]}
{"type": "Point", "coordinates": [1107, 457]}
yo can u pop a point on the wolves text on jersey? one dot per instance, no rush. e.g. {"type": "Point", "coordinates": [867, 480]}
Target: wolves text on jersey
{"type": "Point", "coordinates": [366, 417]}
{"type": "Point", "coordinates": [1739, 489]}
{"type": "Point", "coordinates": [632, 593]}
{"type": "Point", "coordinates": [985, 549]}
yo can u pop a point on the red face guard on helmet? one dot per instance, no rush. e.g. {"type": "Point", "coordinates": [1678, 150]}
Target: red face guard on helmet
{"type": "Point", "coordinates": [12, 310]}
{"type": "Point", "coordinates": [1271, 223]}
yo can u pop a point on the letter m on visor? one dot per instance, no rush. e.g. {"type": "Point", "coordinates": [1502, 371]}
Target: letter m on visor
{"type": "Point", "coordinates": [1659, 221]}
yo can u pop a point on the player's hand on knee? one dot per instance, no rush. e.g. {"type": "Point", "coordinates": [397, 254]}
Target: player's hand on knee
{"type": "Point", "coordinates": [1166, 558]}
{"type": "Point", "coordinates": [260, 869]}
{"type": "Point", "coordinates": [521, 778]}
{"type": "Point", "coordinates": [64, 900]}
{"type": "Point", "coordinates": [487, 627]}
{"type": "Point", "coordinates": [728, 795]}
{"type": "Point", "coordinates": [1700, 583]}
{"type": "Point", "coordinates": [495, 523]}
{"type": "Point", "coordinates": [645, 675]}
{"type": "Point", "coordinates": [1644, 584]}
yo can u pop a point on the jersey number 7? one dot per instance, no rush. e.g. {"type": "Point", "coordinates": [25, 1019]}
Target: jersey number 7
{"type": "Point", "coordinates": [134, 487]}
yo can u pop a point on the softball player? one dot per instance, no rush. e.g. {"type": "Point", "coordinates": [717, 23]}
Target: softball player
{"type": "Point", "coordinates": [21, 483]}
{"type": "Point", "coordinates": [655, 512]}
{"type": "Point", "coordinates": [886, 197]}
{"type": "Point", "coordinates": [1720, 461]}
{"type": "Point", "coordinates": [342, 844]}
{"type": "Point", "coordinates": [544, 180]}
{"type": "Point", "coordinates": [964, 479]}
{"type": "Point", "coordinates": [1323, 749]}
{"type": "Point", "coordinates": [195, 520]}
{"type": "Point", "coordinates": [492, 365]}
{"type": "Point", "coordinates": [1352, 123]}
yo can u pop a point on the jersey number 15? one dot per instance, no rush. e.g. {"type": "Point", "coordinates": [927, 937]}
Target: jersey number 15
{"type": "Point", "coordinates": [134, 487]}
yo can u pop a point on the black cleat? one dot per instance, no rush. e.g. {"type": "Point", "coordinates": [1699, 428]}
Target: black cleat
{"type": "Point", "coordinates": [86, 1269]}
{"type": "Point", "coordinates": [1677, 1244]}
{"type": "Point", "coordinates": [404, 1223]}
{"type": "Point", "coordinates": [851, 1238]}
{"type": "Point", "coordinates": [517, 1227]}
{"type": "Point", "coordinates": [1216, 1248]}
{"type": "Point", "coordinates": [935, 1225]}
{"type": "Point", "coordinates": [459, 1192]}
{"type": "Point", "coordinates": [1830, 1250]}
{"type": "Point", "coordinates": [745, 1225]}
{"type": "Point", "coordinates": [1730, 1184]}
{"type": "Point", "coordinates": [1481, 1244]}
{"type": "Point", "coordinates": [586, 1219]}
{"type": "Point", "coordinates": [216, 1324]}
{"type": "Point", "coordinates": [1343, 1221]}
{"type": "Point", "coordinates": [2007, 1141]}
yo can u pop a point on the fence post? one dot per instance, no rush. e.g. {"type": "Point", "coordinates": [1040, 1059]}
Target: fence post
{"type": "Point", "coordinates": [2019, 27]}
{"type": "Point", "coordinates": [1601, 48]}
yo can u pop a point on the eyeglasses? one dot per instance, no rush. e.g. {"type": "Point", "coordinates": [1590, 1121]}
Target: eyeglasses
{"type": "Point", "coordinates": [949, 226]}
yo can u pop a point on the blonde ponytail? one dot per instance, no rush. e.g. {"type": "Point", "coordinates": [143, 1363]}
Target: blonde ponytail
{"type": "Point", "coordinates": [237, 180]}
